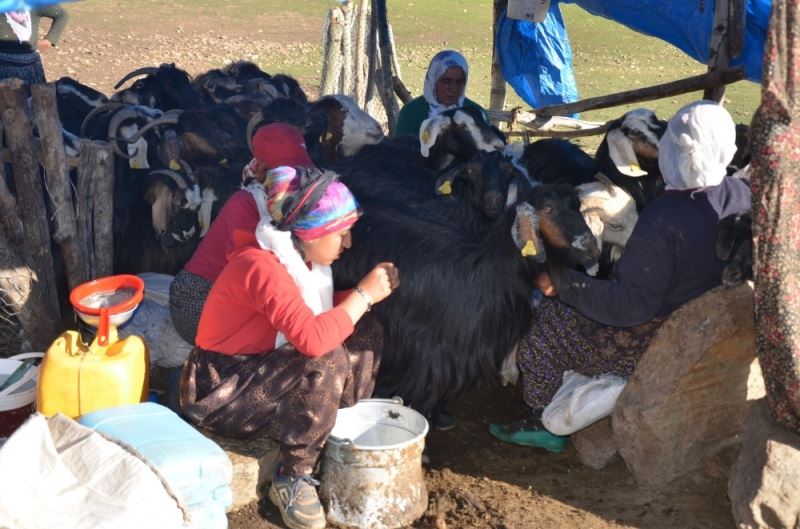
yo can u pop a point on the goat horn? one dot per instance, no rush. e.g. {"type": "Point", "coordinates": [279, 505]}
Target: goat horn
{"type": "Point", "coordinates": [444, 184]}
{"type": "Point", "coordinates": [97, 110]}
{"type": "Point", "coordinates": [175, 176]}
{"type": "Point", "coordinates": [606, 181]}
{"type": "Point", "coordinates": [186, 168]}
{"type": "Point", "coordinates": [170, 118]}
{"type": "Point", "coordinates": [146, 70]}
{"type": "Point", "coordinates": [251, 126]}
{"type": "Point", "coordinates": [116, 120]}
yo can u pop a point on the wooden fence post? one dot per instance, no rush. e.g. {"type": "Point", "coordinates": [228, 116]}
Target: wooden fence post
{"type": "Point", "coordinates": [718, 55]}
{"type": "Point", "coordinates": [386, 90]}
{"type": "Point", "coordinates": [101, 163]}
{"type": "Point", "coordinates": [362, 32]}
{"type": "Point", "coordinates": [348, 73]}
{"type": "Point", "coordinates": [45, 322]}
{"type": "Point", "coordinates": [54, 161]}
{"type": "Point", "coordinates": [497, 97]}
{"type": "Point", "coordinates": [332, 60]}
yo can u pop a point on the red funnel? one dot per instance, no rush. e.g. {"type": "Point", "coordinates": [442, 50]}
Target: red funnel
{"type": "Point", "coordinates": [107, 301]}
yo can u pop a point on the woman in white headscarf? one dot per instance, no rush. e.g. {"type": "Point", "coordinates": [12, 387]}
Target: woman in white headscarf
{"type": "Point", "coordinates": [445, 84]}
{"type": "Point", "coordinates": [598, 326]}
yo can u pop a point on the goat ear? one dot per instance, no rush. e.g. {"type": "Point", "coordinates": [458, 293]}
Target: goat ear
{"type": "Point", "coordinates": [429, 131]}
{"type": "Point", "coordinates": [444, 184]}
{"type": "Point", "coordinates": [621, 151]}
{"type": "Point", "coordinates": [525, 233]}
{"type": "Point", "coordinates": [160, 197]}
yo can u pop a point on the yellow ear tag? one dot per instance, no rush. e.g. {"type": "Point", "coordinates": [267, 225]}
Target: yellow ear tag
{"type": "Point", "coordinates": [635, 168]}
{"type": "Point", "coordinates": [529, 250]}
{"type": "Point", "coordinates": [328, 136]}
{"type": "Point", "coordinates": [175, 166]}
{"type": "Point", "coordinates": [426, 136]}
{"type": "Point", "coordinates": [224, 162]}
{"type": "Point", "coordinates": [446, 188]}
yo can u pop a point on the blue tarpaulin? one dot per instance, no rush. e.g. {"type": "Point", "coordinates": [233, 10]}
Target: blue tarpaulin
{"type": "Point", "coordinates": [21, 5]}
{"type": "Point", "coordinates": [537, 61]}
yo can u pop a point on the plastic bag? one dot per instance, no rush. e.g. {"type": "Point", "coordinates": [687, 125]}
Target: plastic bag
{"type": "Point", "coordinates": [58, 473]}
{"type": "Point", "coordinates": [152, 323]}
{"type": "Point", "coordinates": [581, 401]}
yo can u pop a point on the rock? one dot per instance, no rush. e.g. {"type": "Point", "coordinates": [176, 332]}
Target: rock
{"type": "Point", "coordinates": [254, 462]}
{"type": "Point", "coordinates": [595, 444]}
{"type": "Point", "coordinates": [688, 396]}
{"type": "Point", "coordinates": [764, 484]}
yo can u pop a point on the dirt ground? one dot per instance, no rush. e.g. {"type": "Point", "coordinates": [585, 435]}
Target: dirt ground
{"type": "Point", "coordinates": [473, 481]}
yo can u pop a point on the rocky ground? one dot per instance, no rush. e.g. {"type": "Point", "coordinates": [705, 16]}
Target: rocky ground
{"type": "Point", "coordinates": [473, 481]}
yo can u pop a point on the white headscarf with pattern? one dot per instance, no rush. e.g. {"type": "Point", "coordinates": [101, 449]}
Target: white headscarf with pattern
{"type": "Point", "coordinates": [439, 64]}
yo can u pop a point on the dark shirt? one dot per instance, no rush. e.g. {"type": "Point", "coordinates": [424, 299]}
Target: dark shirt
{"type": "Point", "coordinates": [669, 260]}
{"type": "Point", "coordinates": [9, 42]}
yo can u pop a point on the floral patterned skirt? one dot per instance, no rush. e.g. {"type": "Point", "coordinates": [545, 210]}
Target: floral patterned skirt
{"type": "Point", "coordinates": [562, 339]}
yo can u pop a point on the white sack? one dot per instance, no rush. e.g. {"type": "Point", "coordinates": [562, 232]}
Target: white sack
{"type": "Point", "coordinates": [580, 401]}
{"type": "Point", "coordinates": [58, 473]}
{"type": "Point", "coordinates": [152, 323]}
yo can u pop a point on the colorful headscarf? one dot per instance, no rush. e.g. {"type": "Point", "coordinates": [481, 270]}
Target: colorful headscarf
{"type": "Point", "coordinates": [439, 64]}
{"type": "Point", "coordinates": [308, 202]}
{"type": "Point", "coordinates": [697, 147]}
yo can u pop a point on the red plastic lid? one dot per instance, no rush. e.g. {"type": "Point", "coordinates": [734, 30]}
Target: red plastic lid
{"type": "Point", "coordinates": [108, 284]}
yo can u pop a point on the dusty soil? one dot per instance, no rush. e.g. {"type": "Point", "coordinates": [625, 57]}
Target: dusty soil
{"type": "Point", "coordinates": [473, 481]}
{"type": "Point", "coordinates": [477, 482]}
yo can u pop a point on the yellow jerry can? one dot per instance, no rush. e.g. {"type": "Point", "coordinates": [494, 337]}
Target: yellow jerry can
{"type": "Point", "coordinates": [75, 379]}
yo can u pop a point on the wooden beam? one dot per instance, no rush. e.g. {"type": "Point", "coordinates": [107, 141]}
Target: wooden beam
{"type": "Point", "coordinates": [36, 254]}
{"type": "Point", "coordinates": [497, 97]}
{"type": "Point", "coordinates": [59, 187]}
{"type": "Point", "coordinates": [681, 86]}
{"type": "Point", "coordinates": [386, 91]}
{"type": "Point", "coordinates": [718, 56]}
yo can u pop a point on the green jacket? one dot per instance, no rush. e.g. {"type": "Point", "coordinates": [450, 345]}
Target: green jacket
{"type": "Point", "coordinates": [416, 111]}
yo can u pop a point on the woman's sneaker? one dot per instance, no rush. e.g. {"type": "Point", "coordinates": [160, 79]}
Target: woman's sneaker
{"type": "Point", "coordinates": [297, 499]}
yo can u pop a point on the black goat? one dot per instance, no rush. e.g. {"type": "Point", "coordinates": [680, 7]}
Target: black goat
{"type": "Point", "coordinates": [454, 136]}
{"type": "Point", "coordinates": [735, 245]}
{"type": "Point", "coordinates": [464, 301]}
{"type": "Point", "coordinates": [166, 87]}
{"type": "Point", "coordinates": [556, 161]}
{"type": "Point", "coordinates": [628, 155]}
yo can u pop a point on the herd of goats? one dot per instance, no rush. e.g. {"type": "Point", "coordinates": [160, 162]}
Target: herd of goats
{"type": "Point", "coordinates": [468, 219]}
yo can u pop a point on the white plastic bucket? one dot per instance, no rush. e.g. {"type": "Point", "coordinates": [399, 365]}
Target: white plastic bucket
{"type": "Point", "coordinates": [16, 399]}
{"type": "Point", "coordinates": [372, 466]}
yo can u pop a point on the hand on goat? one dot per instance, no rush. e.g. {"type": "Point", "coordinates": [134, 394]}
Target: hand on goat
{"type": "Point", "coordinates": [545, 284]}
{"type": "Point", "coordinates": [380, 282]}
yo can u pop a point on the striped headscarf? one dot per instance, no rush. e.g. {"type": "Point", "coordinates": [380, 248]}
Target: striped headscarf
{"type": "Point", "coordinates": [308, 202]}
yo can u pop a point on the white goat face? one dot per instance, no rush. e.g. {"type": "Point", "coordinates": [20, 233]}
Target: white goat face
{"type": "Point", "coordinates": [484, 142]}
{"type": "Point", "coordinates": [638, 132]}
{"type": "Point", "coordinates": [609, 212]}
{"type": "Point", "coordinates": [359, 128]}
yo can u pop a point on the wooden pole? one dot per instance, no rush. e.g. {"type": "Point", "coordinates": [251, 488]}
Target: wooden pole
{"type": "Point", "coordinates": [681, 86]}
{"type": "Point", "coordinates": [332, 60]}
{"type": "Point", "coordinates": [54, 160]}
{"type": "Point", "coordinates": [9, 220]}
{"type": "Point", "coordinates": [42, 327]}
{"type": "Point", "coordinates": [84, 190]}
{"type": "Point", "coordinates": [386, 91]}
{"type": "Point", "coordinates": [393, 53]}
{"type": "Point", "coordinates": [497, 98]}
{"type": "Point", "coordinates": [360, 88]}
{"type": "Point", "coordinates": [348, 64]}
{"type": "Point", "coordinates": [100, 167]}
{"type": "Point", "coordinates": [736, 27]}
{"type": "Point", "coordinates": [718, 56]}
{"type": "Point", "coordinates": [400, 90]}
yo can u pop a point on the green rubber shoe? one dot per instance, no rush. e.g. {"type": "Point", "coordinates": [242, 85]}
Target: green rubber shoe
{"type": "Point", "coordinates": [538, 437]}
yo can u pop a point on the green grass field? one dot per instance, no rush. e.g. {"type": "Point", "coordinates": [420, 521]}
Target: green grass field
{"type": "Point", "coordinates": [608, 57]}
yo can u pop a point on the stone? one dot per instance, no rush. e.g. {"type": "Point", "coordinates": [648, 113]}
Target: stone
{"type": "Point", "coordinates": [764, 484]}
{"type": "Point", "coordinates": [595, 444]}
{"type": "Point", "coordinates": [690, 392]}
{"type": "Point", "coordinates": [254, 462]}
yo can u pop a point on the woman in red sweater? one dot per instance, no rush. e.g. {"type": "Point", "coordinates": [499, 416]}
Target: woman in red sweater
{"type": "Point", "coordinates": [273, 145]}
{"type": "Point", "coordinates": [274, 356]}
